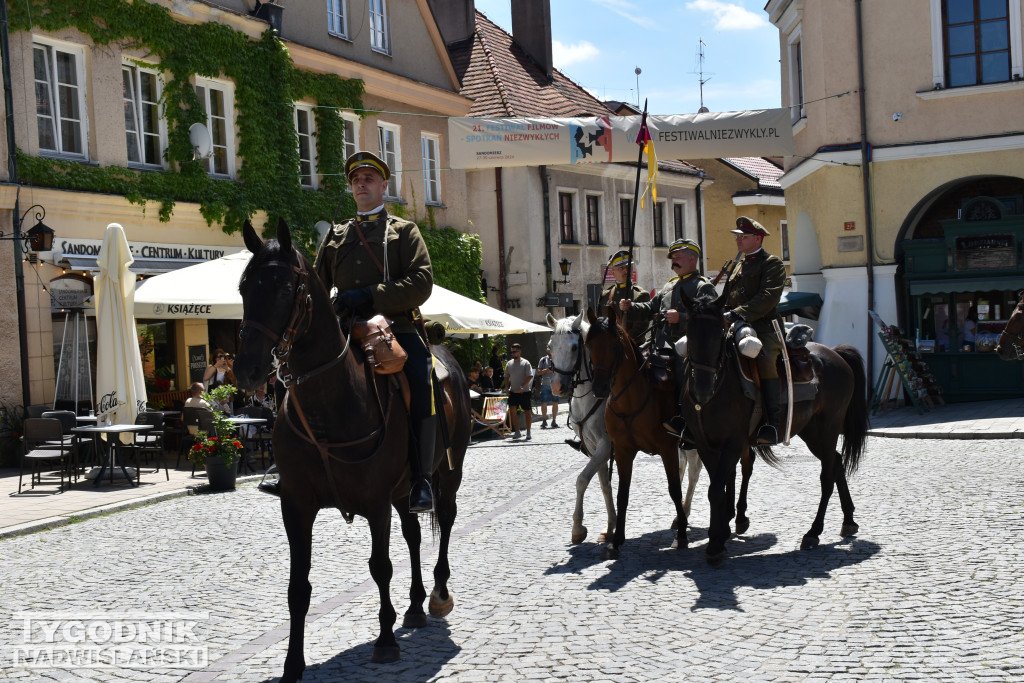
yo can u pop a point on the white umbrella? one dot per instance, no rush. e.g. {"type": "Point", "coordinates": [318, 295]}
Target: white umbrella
{"type": "Point", "coordinates": [210, 290]}
{"type": "Point", "coordinates": [120, 384]}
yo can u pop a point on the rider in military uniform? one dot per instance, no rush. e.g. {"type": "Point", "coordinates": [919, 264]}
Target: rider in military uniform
{"type": "Point", "coordinates": [685, 254]}
{"type": "Point", "coordinates": [610, 298]}
{"type": "Point", "coordinates": [753, 295]}
{"type": "Point", "coordinates": [393, 281]}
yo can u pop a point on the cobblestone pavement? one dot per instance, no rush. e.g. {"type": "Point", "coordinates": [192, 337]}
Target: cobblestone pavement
{"type": "Point", "coordinates": [930, 589]}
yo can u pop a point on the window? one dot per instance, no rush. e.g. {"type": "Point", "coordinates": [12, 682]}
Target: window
{"type": "Point", "coordinates": [796, 76]}
{"type": "Point", "coordinates": [305, 128]}
{"type": "Point", "coordinates": [391, 153]}
{"type": "Point", "coordinates": [337, 18]}
{"type": "Point", "coordinates": [659, 224]}
{"type": "Point", "coordinates": [431, 168]}
{"type": "Point", "coordinates": [380, 33]}
{"type": "Point", "coordinates": [144, 130]}
{"type": "Point", "coordinates": [351, 122]}
{"type": "Point", "coordinates": [60, 98]}
{"type": "Point", "coordinates": [977, 41]}
{"type": "Point", "coordinates": [566, 224]}
{"type": "Point", "coordinates": [678, 220]}
{"type": "Point", "coordinates": [625, 218]}
{"type": "Point", "coordinates": [784, 235]}
{"type": "Point", "coordinates": [216, 98]}
{"type": "Point", "coordinates": [593, 219]}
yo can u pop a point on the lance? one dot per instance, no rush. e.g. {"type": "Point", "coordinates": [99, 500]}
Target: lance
{"type": "Point", "coordinates": [642, 135]}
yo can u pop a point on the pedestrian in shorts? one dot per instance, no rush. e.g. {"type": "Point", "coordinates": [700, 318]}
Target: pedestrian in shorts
{"type": "Point", "coordinates": [519, 382]}
{"type": "Point", "coordinates": [546, 372]}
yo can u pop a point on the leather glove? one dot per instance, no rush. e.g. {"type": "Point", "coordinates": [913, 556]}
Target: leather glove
{"type": "Point", "coordinates": [732, 317]}
{"type": "Point", "coordinates": [352, 300]}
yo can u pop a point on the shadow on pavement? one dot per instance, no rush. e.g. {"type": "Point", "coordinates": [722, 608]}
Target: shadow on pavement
{"type": "Point", "coordinates": [425, 652]}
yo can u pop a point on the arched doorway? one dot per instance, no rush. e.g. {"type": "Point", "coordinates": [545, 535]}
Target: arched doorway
{"type": "Point", "coordinates": [961, 263]}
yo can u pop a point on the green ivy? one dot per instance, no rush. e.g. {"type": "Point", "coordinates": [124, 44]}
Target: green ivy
{"type": "Point", "coordinates": [266, 84]}
{"type": "Point", "coordinates": [455, 257]}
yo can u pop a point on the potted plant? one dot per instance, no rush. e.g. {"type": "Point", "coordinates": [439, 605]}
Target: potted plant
{"type": "Point", "coordinates": [11, 418]}
{"type": "Point", "coordinates": [218, 454]}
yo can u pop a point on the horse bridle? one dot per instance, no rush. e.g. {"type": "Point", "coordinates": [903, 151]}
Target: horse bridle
{"type": "Point", "coordinates": [575, 376]}
{"type": "Point", "coordinates": [716, 371]}
{"type": "Point", "coordinates": [1014, 339]}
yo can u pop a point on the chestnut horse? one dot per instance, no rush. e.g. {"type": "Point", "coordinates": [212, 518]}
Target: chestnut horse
{"type": "Point", "coordinates": [634, 415]}
{"type": "Point", "coordinates": [721, 417]}
{"type": "Point", "coordinates": [341, 438]}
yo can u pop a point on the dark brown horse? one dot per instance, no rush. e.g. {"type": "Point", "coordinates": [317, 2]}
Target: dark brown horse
{"type": "Point", "coordinates": [720, 416]}
{"type": "Point", "coordinates": [1011, 340]}
{"type": "Point", "coordinates": [341, 438]}
{"type": "Point", "coordinates": [634, 415]}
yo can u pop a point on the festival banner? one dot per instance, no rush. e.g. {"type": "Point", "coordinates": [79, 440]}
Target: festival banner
{"type": "Point", "coordinates": [494, 142]}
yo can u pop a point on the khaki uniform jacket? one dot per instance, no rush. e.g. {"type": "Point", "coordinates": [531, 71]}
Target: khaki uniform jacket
{"type": "Point", "coordinates": [668, 298]}
{"type": "Point", "coordinates": [754, 293]}
{"type": "Point", "coordinates": [610, 299]}
{"type": "Point", "coordinates": [343, 262]}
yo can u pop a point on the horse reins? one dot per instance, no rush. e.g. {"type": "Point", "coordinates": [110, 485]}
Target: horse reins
{"type": "Point", "coordinates": [576, 378]}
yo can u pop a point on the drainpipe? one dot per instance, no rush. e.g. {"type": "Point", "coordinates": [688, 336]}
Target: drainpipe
{"type": "Point", "coordinates": [502, 275]}
{"type": "Point", "coordinates": [12, 169]}
{"type": "Point", "coordinates": [547, 230]}
{"type": "Point", "coordinates": [865, 166]}
{"type": "Point", "coordinates": [700, 226]}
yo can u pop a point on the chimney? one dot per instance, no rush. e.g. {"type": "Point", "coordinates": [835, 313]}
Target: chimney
{"type": "Point", "coordinates": [531, 29]}
{"type": "Point", "coordinates": [456, 19]}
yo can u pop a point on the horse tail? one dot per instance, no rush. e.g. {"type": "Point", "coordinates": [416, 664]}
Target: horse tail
{"type": "Point", "coordinates": [766, 453]}
{"type": "Point", "coordinates": [855, 424]}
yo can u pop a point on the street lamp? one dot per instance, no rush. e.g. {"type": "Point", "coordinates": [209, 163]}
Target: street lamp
{"type": "Point", "coordinates": [564, 265]}
{"type": "Point", "coordinates": [38, 238]}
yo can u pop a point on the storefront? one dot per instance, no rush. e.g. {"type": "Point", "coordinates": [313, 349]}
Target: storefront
{"type": "Point", "coordinates": [960, 290]}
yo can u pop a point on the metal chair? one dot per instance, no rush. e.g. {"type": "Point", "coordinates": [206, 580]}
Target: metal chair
{"type": "Point", "coordinates": [36, 410]}
{"type": "Point", "coordinates": [39, 431]}
{"type": "Point", "coordinates": [151, 441]}
{"type": "Point", "coordinates": [260, 436]}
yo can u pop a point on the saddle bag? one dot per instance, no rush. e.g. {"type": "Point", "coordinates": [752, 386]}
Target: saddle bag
{"type": "Point", "coordinates": [383, 352]}
{"type": "Point", "coordinates": [659, 371]}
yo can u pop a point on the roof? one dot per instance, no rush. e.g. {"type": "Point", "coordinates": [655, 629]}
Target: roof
{"type": "Point", "coordinates": [765, 171]}
{"type": "Point", "coordinates": [504, 81]}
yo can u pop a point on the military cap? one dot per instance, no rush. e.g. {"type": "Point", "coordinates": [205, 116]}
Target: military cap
{"type": "Point", "coordinates": [619, 258]}
{"type": "Point", "coordinates": [369, 159]}
{"type": "Point", "coordinates": [682, 244]}
{"type": "Point", "coordinates": [748, 226]}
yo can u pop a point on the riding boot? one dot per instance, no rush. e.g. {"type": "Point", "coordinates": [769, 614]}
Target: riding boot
{"type": "Point", "coordinates": [768, 433]}
{"type": "Point", "coordinates": [421, 464]}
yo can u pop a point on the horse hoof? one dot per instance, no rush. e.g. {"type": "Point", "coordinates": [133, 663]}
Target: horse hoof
{"type": "Point", "coordinates": [850, 529]}
{"type": "Point", "coordinates": [716, 558]}
{"type": "Point", "coordinates": [610, 552]}
{"type": "Point", "coordinates": [416, 620]}
{"type": "Point", "coordinates": [579, 536]}
{"type": "Point", "coordinates": [438, 607]}
{"type": "Point", "coordinates": [675, 523]}
{"type": "Point", "coordinates": [385, 654]}
{"type": "Point", "coordinates": [292, 671]}
{"type": "Point", "coordinates": [809, 542]}
{"type": "Point", "coordinates": [742, 524]}
{"type": "Point", "coordinates": [603, 537]}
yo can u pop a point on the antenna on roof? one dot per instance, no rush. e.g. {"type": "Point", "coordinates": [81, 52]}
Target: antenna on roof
{"type": "Point", "coordinates": [700, 71]}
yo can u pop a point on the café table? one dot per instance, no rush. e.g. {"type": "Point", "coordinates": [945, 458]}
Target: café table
{"type": "Point", "coordinates": [113, 433]}
{"type": "Point", "coordinates": [241, 422]}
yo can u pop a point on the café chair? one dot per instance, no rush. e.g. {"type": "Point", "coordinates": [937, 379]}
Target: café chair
{"type": "Point", "coordinates": [152, 441]}
{"type": "Point", "coordinates": [260, 436]}
{"type": "Point", "coordinates": [44, 431]}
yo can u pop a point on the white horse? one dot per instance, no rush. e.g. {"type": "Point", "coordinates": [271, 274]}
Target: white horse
{"type": "Point", "coordinates": [571, 362]}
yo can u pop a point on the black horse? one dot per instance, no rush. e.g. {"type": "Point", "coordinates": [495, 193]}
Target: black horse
{"type": "Point", "coordinates": [341, 438]}
{"type": "Point", "coordinates": [719, 415]}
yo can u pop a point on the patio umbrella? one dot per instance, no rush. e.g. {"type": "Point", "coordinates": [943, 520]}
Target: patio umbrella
{"type": "Point", "coordinates": [803, 304]}
{"type": "Point", "coordinates": [210, 290]}
{"type": "Point", "coordinates": [120, 384]}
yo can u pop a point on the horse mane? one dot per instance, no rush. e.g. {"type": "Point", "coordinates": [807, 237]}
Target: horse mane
{"type": "Point", "coordinates": [606, 324]}
{"type": "Point", "coordinates": [706, 303]}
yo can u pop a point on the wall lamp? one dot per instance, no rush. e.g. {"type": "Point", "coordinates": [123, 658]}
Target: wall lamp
{"type": "Point", "coordinates": [564, 265]}
{"type": "Point", "coordinates": [39, 237]}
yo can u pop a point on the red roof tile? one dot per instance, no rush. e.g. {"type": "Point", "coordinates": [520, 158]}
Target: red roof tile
{"type": "Point", "coordinates": [762, 168]}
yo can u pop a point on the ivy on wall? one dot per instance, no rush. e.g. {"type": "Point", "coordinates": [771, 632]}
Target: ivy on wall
{"type": "Point", "coordinates": [455, 258]}
{"type": "Point", "coordinates": [266, 85]}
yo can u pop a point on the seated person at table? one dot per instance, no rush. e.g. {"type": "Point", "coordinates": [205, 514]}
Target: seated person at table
{"type": "Point", "coordinates": [474, 379]}
{"type": "Point", "coordinates": [487, 380]}
{"type": "Point", "coordinates": [261, 399]}
{"type": "Point", "coordinates": [196, 397]}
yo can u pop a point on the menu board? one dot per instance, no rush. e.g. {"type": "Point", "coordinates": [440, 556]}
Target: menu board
{"type": "Point", "coordinates": [985, 252]}
{"type": "Point", "coordinates": [196, 363]}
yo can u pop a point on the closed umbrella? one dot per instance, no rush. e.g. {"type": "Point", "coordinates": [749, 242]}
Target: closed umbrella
{"type": "Point", "coordinates": [120, 384]}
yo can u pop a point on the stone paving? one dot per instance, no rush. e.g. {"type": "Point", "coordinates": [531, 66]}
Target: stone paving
{"type": "Point", "coordinates": [930, 589]}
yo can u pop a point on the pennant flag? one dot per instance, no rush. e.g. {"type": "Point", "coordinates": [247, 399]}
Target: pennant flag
{"type": "Point", "coordinates": [645, 140]}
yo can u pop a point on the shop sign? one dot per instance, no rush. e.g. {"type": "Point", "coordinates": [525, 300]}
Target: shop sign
{"type": "Point", "coordinates": [69, 291]}
{"type": "Point", "coordinates": [196, 362]}
{"type": "Point", "coordinates": [985, 252]}
{"type": "Point", "coordinates": [148, 250]}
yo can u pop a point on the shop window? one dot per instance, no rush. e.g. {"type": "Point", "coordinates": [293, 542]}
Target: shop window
{"type": "Point", "coordinates": [157, 348]}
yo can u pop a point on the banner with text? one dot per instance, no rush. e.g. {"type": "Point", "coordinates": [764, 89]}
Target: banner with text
{"type": "Point", "coordinates": [493, 142]}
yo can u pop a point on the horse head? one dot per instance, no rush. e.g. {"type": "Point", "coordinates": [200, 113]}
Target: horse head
{"type": "Point", "coordinates": [1011, 344]}
{"type": "Point", "coordinates": [705, 344]}
{"type": "Point", "coordinates": [567, 352]}
{"type": "Point", "coordinates": [278, 288]}
{"type": "Point", "coordinates": [606, 350]}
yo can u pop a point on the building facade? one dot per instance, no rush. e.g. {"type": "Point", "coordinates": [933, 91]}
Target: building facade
{"type": "Point", "coordinates": [908, 178]}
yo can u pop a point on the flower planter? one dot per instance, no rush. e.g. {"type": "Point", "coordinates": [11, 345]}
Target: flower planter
{"type": "Point", "coordinates": [220, 475]}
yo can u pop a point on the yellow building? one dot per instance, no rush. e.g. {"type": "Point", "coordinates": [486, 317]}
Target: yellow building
{"type": "Point", "coordinates": [906, 190]}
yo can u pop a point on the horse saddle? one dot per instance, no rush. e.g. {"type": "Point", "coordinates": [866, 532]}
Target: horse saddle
{"type": "Point", "coordinates": [442, 386]}
{"type": "Point", "coordinates": [805, 384]}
